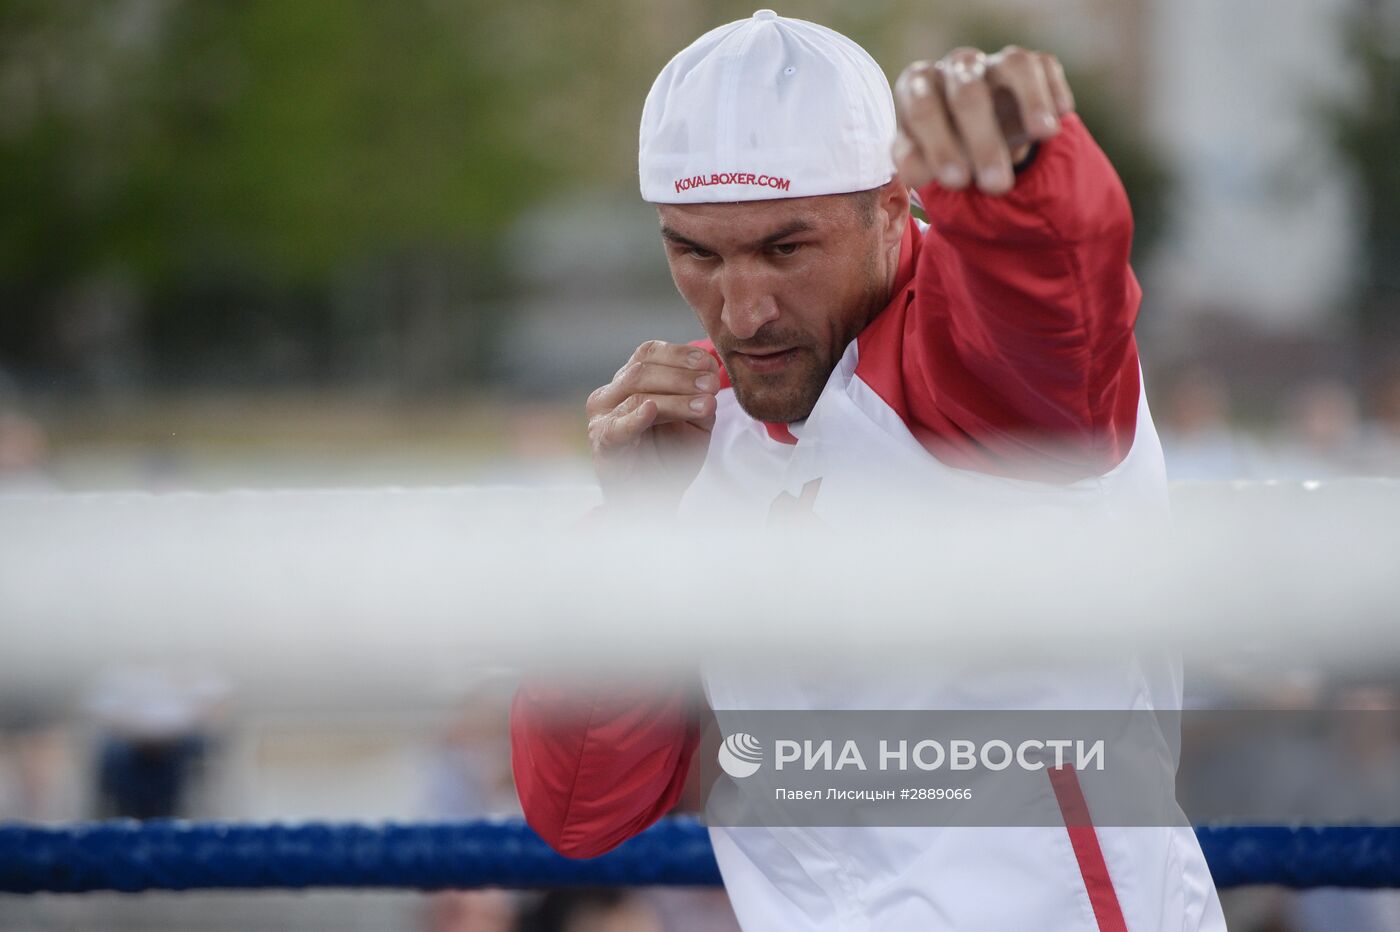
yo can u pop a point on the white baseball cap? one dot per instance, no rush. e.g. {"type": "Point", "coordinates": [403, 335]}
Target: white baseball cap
{"type": "Point", "coordinates": [763, 108]}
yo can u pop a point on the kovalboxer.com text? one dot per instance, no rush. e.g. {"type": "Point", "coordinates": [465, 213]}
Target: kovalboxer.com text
{"type": "Point", "coordinates": [958, 754]}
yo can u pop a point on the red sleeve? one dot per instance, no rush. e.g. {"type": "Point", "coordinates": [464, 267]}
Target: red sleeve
{"type": "Point", "coordinates": [1015, 353]}
{"type": "Point", "coordinates": [594, 765]}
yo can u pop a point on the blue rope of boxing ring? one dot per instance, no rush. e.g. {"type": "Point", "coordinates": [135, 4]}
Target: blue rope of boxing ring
{"type": "Point", "coordinates": [167, 855]}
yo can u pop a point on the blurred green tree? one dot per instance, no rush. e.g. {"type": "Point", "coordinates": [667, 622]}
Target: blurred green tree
{"type": "Point", "coordinates": [253, 190]}
{"type": "Point", "coordinates": [229, 161]}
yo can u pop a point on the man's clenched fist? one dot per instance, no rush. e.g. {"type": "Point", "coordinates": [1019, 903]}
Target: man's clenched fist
{"type": "Point", "coordinates": [650, 426]}
{"type": "Point", "coordinates": [970, 117]}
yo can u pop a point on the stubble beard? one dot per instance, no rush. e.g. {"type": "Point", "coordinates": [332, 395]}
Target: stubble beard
{"type": "Point", "coordinates": [782, 398]}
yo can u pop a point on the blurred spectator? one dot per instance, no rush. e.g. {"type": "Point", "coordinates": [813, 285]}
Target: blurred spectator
{"type": "Point", "coordinates": [1361, 783]}
{"type": "Point", "coordinates": [692, 909]}
{"type": "Point", "coordinates": [541, 448]}
{"type": "Point", "coordinates": [155, 732]}
{"type": "Point", "coordinates": [1321, 435]}
{"type": "Point", "coordinates": [1381, 448]}
{"type": "Point", "coordinates": [31, 746]}
{"type": "Point", "coordinates": [603, 910]}
{"type": "Point", "coordinates": [1197, 441]}
{"type": "Point", "coordinates": [473, 911]}
{"type": "Point", "coordinates": [24, 451]}
{"type": "Point", "coordinates": [32, 757]}
{"type": "Point", "coordinates": [1339, 764]}
{"type": "Point", "coordinates": [468, 770]}
{"type": "Point", "coordinates": [468, 777]}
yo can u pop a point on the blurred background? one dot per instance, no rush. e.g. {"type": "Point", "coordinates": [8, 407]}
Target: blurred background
{"type": "Point", "coordinates": [342, 242]}
{"type": "Point", "coordinates": [345, 242]}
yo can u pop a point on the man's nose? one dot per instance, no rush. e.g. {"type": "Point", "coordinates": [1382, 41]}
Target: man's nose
{"type": "Point", "coordinates": [748, 304]}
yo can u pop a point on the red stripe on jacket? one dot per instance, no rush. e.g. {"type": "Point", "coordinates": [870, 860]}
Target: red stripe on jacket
{"type": "Point", "coordinates": [1084, 839]}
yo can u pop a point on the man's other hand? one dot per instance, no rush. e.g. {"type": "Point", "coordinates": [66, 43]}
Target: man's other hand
{"type": "Point", "coordinates": [649, 428]}
{"type": "Point", "coordinates": [969, 117]}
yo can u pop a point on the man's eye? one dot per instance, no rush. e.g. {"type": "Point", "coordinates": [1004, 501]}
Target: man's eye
{"type": "Point", "coordinates": [695, 252]}
{"type": "Point", "coordinates": [786, 249]}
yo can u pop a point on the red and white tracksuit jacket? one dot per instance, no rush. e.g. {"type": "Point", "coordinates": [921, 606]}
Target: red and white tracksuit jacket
{"type": "Point", "coordinates": [1003, 371]}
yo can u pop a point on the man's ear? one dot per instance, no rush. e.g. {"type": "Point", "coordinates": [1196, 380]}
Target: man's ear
{"type": "Point", "coordinates": [893, 211]}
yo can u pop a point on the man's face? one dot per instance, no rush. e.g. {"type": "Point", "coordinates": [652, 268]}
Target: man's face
{"type": "Point", "coordinates": [782, 287]}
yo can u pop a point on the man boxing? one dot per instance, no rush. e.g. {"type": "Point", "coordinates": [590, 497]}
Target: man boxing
{"type": "Point", "coordinates": [987, 358]}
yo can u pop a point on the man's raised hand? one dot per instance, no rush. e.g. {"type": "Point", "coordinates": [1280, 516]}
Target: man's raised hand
{"type": "Point", "coordinates": [649, 428]}
{"type": "Point", "coordinates": [969, 117]}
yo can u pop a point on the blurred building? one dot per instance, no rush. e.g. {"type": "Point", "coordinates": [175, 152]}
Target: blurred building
{"type": "Point", "coordinates": [1264, 227]}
